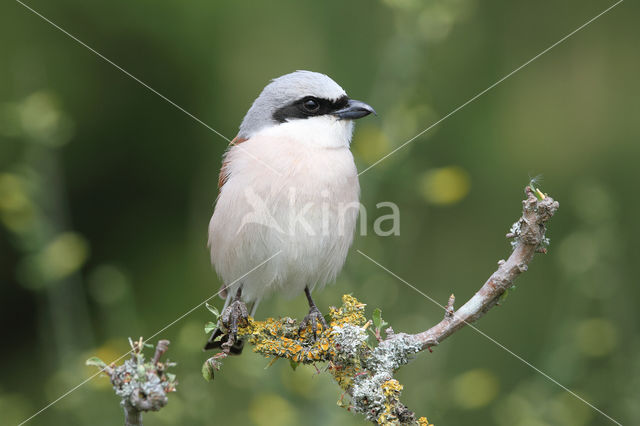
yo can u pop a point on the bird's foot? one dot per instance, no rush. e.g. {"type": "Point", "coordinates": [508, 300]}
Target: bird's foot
{"type": "Point", "coordinates": [233, 317]}
{"type": "Point", "coordinates": [313, 318]}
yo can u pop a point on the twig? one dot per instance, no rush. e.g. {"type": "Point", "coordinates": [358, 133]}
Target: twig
{"type": "Point", "coordinates": [161, 348]}
{"type": "Point", "coordinates": [529, 238]}
{"type": "Point", "coordinates": [142, 386]}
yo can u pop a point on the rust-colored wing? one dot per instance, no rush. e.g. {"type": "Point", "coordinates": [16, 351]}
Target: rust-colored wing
{"type": "Point", "coordinates": [222, 178]}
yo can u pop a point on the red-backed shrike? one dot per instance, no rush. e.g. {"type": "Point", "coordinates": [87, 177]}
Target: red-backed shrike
{"type": "Point", "coordinates": [288, 185]}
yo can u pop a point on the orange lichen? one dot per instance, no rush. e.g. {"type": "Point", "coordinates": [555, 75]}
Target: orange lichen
{"type": "Point", "coordinates": [392, 388]}
{"type": "Point", "coordinates": [280, 338]}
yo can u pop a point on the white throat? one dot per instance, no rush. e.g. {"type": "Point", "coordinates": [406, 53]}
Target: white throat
{"type": "Point", "coordinates": [318, 132]}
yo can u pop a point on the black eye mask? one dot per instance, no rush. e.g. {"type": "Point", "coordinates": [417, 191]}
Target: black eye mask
{"type": "Point", "coordinates": [309, 106]}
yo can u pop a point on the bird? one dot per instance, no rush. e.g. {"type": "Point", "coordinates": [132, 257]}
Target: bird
{"type": "Point", "coordinates": [288, 192]}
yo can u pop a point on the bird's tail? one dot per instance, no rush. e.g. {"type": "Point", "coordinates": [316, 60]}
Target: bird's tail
{"type": "Point", "coordinates": [215, 343]}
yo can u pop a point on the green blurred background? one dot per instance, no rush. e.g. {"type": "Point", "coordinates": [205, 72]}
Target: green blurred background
{"type": "Point", "coordinates": [106, 191]}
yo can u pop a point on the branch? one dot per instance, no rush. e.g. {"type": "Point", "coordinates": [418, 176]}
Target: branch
{"type": "Point", "coordinates": [529, 238]}
{"type": "Point", "coordinates": [142, 386]}
{"type": "Point", "coordinates": [366, 372]}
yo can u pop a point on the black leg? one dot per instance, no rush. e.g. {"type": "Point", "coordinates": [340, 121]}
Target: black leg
{"type": "Point", "coordinates": [313, 317]}
{"type": "Point", "coordinates": [309, 299]}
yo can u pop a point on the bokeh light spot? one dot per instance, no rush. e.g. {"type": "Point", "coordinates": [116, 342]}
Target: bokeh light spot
{"type": "Point", "coordinates": [64, 256]}
{"type": "Point", "coordinates": [272, 410]}
{"type": "Point", "coordinates": [370, 143]}
{"type": "Point", "coordinates": [435, 22]}
{"type": "Point", "coordinates": [60, 258]}
{"type": "Point", "coordinates": [475, 388]}
{"type": "Point", "coordinates": [14, 408]}
{"type": "Point", "coordinates": [108, 284]}
{"type": "Point", "coordinates": [593, 203]}
{"type": "Point", "coordinates": [43, 121]}
{"type": "Point", "coordinates": [596, 337]}
{"type": "Point", "coordinates": [445, 185]}
{"type": "Point", "coordinates": [16, 209]}
{"type": "Point", "coordinates": [578, 252]}
{"type": "Point", "coordinates": [569, 411]}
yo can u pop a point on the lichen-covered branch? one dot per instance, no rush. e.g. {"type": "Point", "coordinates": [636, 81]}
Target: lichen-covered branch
{"type": "Point", "coordinates": [360, 360]}
{"type": "Point", "coordinates": [142, 386]}
{"type": "Point", "coordinates": [364, 372]}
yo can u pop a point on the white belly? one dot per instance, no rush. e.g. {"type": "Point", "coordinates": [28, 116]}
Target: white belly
{"type": "Point", "coordinates": [307, 215]}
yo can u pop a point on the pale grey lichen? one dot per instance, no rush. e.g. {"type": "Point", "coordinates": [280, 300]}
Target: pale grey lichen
{"type": "Point", "coordinates": [142, 386]}
{"type": "Point", "coordinates": [546, 242]}
{"type": "Point", "coordinates": [514, 233]}
{"type": "Point", "coordinates": [368, 395]}
{"type": "Point", "coordinates": [394, 352]}
{"type": "Point", "coordinates": [348, 339]}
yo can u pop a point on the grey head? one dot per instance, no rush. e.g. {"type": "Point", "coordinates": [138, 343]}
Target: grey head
{"type": "Point", "coordinates": [297, 96]}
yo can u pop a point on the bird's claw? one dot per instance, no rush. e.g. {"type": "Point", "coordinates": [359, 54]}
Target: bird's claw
{"type": "Point", "coordinates": [313, 317]}
{"type": "Point", "coordinates": [233, 317]}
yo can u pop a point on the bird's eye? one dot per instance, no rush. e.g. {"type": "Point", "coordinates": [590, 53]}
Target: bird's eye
{"type": "Point", "coordinates": [311, 105]}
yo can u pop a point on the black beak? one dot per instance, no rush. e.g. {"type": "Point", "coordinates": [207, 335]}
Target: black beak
{"type": "Point", "coordinates": [354, 110]}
